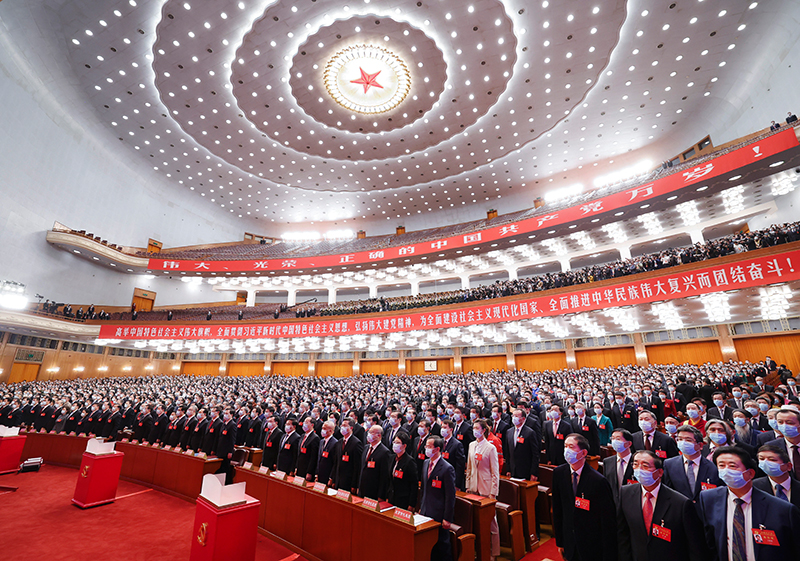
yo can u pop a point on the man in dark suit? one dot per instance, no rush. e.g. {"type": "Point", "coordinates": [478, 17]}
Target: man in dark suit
{"type": "Point", "coordinates": [376, 465]}
{"type": "Point", "coordinates": [523, 449]}
{"type": "Point", "coordinates": [128, 416]}
{"type": "Point", "coordinates": [211, 437]}
{"type": "Point", "coordinates": [348, 459]}
{"type": "Point", "coordinates": [143, 423]}
{"type": "Point", "coordinates": [357, 430]}
{"type": "Point", "coordinates": [272, 442]}
{"type": "Point", "coordinates": [159, 426]}
{"type": "Point", "coordinates": [418, 452]}
{"type": "Point", "coordinates": [774, 461]}
{"type": "Point", "coordinates": [326, 460]}
{"type": "Point", "coordinates": [763, 527]}
{"type": "Point", "coordinates": [253, 436]}
{"type": "Point", "coordinates": [690, 472]}
{"type": "Point", "coordinates": [198, 432]}
{"type": "Point", "coordinates": [584, 515]}
{"type": "Point", "coordinates": [650, 439]}
{"type": "Point", "coordinates": [585, 425]}
{"type": "Point", "coordinates": [112, 424]}
{"type": "Point", "coordinates": [618, 469]}
{"type": "Point", "coordinates": [789, 426]}
{"type": "Point", "coordinates": [462, 428]}
{"type": "Point", "coordinates": [688, 391]}
{"type": "Point", "coordinates": [395, 425]}
{"type": "Point", "coordinates": [242, 425]}
{"type": "Point", "coordinates": [288, 449]}
{"type": "Point", "coordinates": [411, 425]}
{"type": "Point", "coordinates": [624, 414]}
{"type": "Point", "coordinates": [453, 452]}
{"type": "Point", "coordinates": [438, 495]}
{"type": "Point", "coordinates": [555, 433]}
{"type": "Point", "coordinates": [180, 424]}
{"type": "Point", "coordinates": [720, 409]}
{"type": "Point", "coordinates": [188, 427]}
{"type": "Point", "coordinates": [308, 453]}
{"type": "Point", "coordinates": [498, 426]}
{"type": "Point", "coordinates": [655, 523]}
{"type": "Point", "coordinates": [225, 444]}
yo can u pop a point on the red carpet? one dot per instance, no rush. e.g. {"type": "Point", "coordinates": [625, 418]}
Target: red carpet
{"type": "Point", "coordinates": [39, 522]}
{"type": "Point", "coordinates": [546, 552]}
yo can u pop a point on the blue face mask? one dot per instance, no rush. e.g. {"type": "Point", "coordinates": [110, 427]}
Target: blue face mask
{"type": "Point", "coordinates": [753, 411]}
{"type": "Point", "coordinates": [618, 446]}
{"type": "Point", "coordinates": [644, 477]}
{"type": "Point", "coordinates": [773, 469]}
{"type": "Point", "coordinates": [693, 413]}
{"type": "Point", "coordinates": [737, 395]}
{"type": "Point", "coordinates": [764, 407]}
{"type": "Point", "coordinates": [570, 455]}
{"type": "Point", "coordinates": [672, 429]}
{"type": "Point", "coordinates": [773, 423]}
{"type": "Point", "coordinates": [718, 402]}
{"type": "Point", "coordinates": [740, 421]}
{"type": "Point", "coordinates": [687, 448]}
{"type": "Point", "coordinates": [732, 478]}
{"type": "Point", "coordinates": [789, 431]}
{"type": "Point", "coordinates": [646, 426]}
{"type": "Point", "coordinates": [718, 438]}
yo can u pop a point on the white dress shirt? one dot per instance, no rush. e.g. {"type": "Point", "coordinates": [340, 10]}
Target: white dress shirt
{"type": "Point", "coordinates": [787, 488]}
{"type": "Point", "coordinates": [747, 508]}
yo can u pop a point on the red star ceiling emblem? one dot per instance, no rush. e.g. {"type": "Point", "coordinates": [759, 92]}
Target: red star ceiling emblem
{"type": "Point", "coordinates": [367, 80]}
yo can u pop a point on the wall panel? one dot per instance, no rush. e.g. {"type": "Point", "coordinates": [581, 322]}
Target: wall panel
{"type": "Point", "coordinates": [339, 369]}
{"type": "Point", "coordinates": [390, 367]}
{"type": "Point", "coordinates": [200, 368]}
{"type": "Point", "coordinates": [416, 367]}
{"type": "Point", "coordinates": [290, 368]}
{"type": "Point", "coordinates": [698, 352]}
{"type": "Point", "coordinates": [245, 369]}
{"type": "Point", "coordinates": [23, 372]}
{"type": "Point", "coordinates": [601, 358]}
{"type": "Point", "coordinates": [483, 363]}
{"type": "Point", "coordinates": [541, 361]}
{"type": "Point", "coordinates": [783, 349]}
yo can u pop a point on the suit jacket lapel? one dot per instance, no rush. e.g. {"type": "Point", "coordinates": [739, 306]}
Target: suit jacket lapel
{"type": "Point", "coordinates": [660, 510]}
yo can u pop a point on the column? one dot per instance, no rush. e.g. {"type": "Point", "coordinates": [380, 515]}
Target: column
{"type": "Point", "coordinates": [565, 266]}
{"type": "Point", "coordinates": [512, 274]}
{"type": "Point", "coordinates": [251, 298]}
{"type": "Point", "coordinates": [331, 295]}
{"type": "Point", "coordinates": [572, 362]}
{"type": "Point", "coordinates": [457, 368]}
{"type": "Point", "coordinates": [464, 282]}
{"type": "Point", "coordinates": [292, 299]}
{"type": "Point", "coordinates": [640, 350]}
{"type": "Point", "coordinates": [312, 364]}
{"type": "Point", "coordinates": [414, 288]}
{"type": "Point", "coordinates": [511, 364]}
{"type": "Point", "coordinates": [401, 363]}
{"type": "Point", "coordinates": [268, 364]}
{"type": "Point", "coordinates": [697, 236]}
{"type": "Point", "coordinates": [356, 363]}
{"type": "Point", "coordinates": [726, 343]}
{"type": "Point", "coordinates": [373, 290]}
{"type": "Point", "coordinates": [625, 252]}
{"type": "Point", "coordinates": [223, 364]}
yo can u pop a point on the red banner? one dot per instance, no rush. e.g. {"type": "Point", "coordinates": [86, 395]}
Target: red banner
{"type": "Point", "coordinates": [718, 166]}
{"type": "Point", "coordinates": [747, 272]}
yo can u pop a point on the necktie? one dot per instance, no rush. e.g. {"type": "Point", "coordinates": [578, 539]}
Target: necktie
{"type": "Point", "coordinates": [647, 445]}
{"type": "Point", "coordinates": [690, 476]}
{"type": "Point", "coordinates": [780, 493]}
{"type": "Point", "coordinates": [739, 549]}
{"type": "Point", "coordinates": [575, 483]}
{"type": "Point", "coordinates": [647, 511]}
{"type": "Point", "coordinates": [430, 468]}
{"type": "Point", "coordinates": [796, 461]}
{"type": "Point", "coordinates": [555, 429]}
{"type": "Point", "coordinates": [620, 472]}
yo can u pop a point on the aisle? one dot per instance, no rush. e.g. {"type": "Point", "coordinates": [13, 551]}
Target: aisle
{"type": "Point", "coordinates": [38, 521]}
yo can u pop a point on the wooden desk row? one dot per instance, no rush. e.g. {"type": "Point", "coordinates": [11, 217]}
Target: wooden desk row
{"type": "Point", "coordinates": [325, 527]}
{"type": "Point", "coordinates": [172, 472]}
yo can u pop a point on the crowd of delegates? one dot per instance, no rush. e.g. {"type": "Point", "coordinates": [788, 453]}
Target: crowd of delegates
{"type": "Point", "coordinates": [670, 257]}
{"type": "Point", "coordinates": [718, 436]}
{"type": "Point", "coordinates": [49, 307]}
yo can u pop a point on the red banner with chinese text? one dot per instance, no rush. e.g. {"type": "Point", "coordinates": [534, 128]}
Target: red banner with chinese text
{"type": "Point", "coordinates": [713, 168]}
{"type": "Point", "coordinates": [745, 273]}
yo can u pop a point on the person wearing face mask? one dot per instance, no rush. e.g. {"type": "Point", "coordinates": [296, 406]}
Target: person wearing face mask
{"type": "Point", "coordinates": [410, 425]}
{"type": "Point", "coordinates": [618, 469]}
{"type": "Point", "coordinates": [159, 426]}
{"type": "Point", "coordinates": [254, 425]}
{"type": "Point", "coordinates": [143, 424]}
{"type": "Point", "coordinates": [522, 447]}
{"type": "Point", "coordinates": [555, 432]}
{"type": "Point", "coordinates": [438, 495]}
{"type": "Point", "coordinates": [348, 459]}
{"type": "Point", "coordinates": [308, 451]}
{"type": "Point", "coordinates": [788, 421]}
{"type": "Point", "coordinates": [737, 401]}
{"type": "Point", "coordinates": [774, 462]}
{"type": "Point", "coordinates": [583, 424]}
{"type": "Point", "coordinates": [226, 441]}
{"type": "Point", "coordinates": [288, 448]}
{"type": "Point", "coordinates": [791, 387]}
{"type": "Point", "coordinates": [326, 459]}
{"type": "Point", "coordinates": [242, 426]}
{"type": "Point", "coordinates": [214, 427]}
{"type": "Point", "coordinates": [483, 474]}
{"type": "Point", "coordinates": [498, 425]}
{"type": "Point", "coordinates": [423, 430]}
{"type": "Point", "coordinates": [742, 522]}
{"type": "Point", "coordinates": [624, 415]}
{"type": "Point", "coordinates": [404, 481]}
{"type": "Point", "coordinates": [188, 428]}
{"type": "Point", "coordinates": [654, 522]}
{"type": "Point", "coordinates": [375, 466]}
{"type": "Point", "coordinates": [394, 426]}
{"type": "Point", "coordinates": [604, 425]}
{"type": "Point", "coordinates": [169, 434]}
{"type": "Point", "coordinates": [772, 431]}
{"type": "Point", "coordinates": [272, 442]}
{"type": "Point", "coordinates": [584, 513]}
{"type": "Point", "coordinates": [462, 428]}
{"type": "Point", "coordinates": [694, 411]}
{"type": "Point", "coordinates": [113, 424]}
{"type": "Point", "coordinates": [648, 438]}
{"type": "Point", "coordinates": [690, 472]}
{"type": "Point", "coordinates": [720, 409]}
{"type": "Point", "coordinates": [453, 452]}
{"type": "Point", "coordinates": [719, 433]}
{"type": "Point", "coordinates": [743, 432]}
